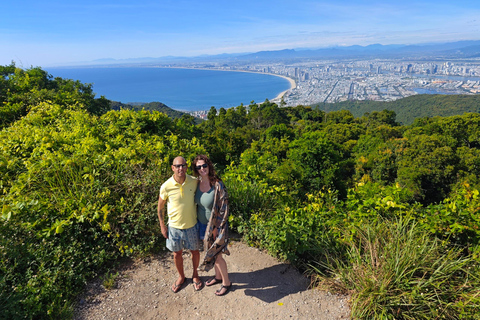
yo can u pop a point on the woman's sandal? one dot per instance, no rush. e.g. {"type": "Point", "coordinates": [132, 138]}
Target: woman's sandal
{"type": "Point", "coordinates": [197, 285]}
{"type": "Point", "coordinates": [212, 281]}
{"type": "Point", "coordinates": [219, 291]}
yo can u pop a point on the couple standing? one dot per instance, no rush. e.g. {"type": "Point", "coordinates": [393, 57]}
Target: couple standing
{"type": "Point", "coordinates": [197, 210]}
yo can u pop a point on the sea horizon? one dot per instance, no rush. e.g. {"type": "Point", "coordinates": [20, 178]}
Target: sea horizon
{"type": "Point", "coordinates": [182, 89]}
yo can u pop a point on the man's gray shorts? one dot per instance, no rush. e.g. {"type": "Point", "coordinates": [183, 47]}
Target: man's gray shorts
{"type": "Point", "coordinates": [180, 239]}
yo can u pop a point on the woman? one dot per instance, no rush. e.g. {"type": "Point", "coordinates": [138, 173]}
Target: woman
{"type": "Point", "coordinates": [212, 211]}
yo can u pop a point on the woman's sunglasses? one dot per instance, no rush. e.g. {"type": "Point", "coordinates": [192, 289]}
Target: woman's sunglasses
{"type": "Point", "coordinates": [202, 166]}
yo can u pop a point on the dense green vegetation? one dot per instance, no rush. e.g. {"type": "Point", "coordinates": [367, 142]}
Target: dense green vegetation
{"type": "Point", "coordinates": [385, 212]}
{"type": "Point", "coordinates": [413, 107]}
{"type": "Point", "coordinates": [21, 89]}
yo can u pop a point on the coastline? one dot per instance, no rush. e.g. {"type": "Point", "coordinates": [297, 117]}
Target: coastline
{"type": "Point", "coordinates": [292, 82]}
{"type": "Point", "coordinates": [293, 85]}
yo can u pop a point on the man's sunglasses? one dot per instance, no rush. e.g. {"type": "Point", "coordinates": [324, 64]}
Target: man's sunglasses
{"type": "Point", "coordinates": [202, 166]}
{"type": "Point", "coordinates": [179, 165]}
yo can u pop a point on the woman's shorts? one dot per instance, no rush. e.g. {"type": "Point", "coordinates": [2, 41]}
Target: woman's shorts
{"type": "Point", "coordinates": [180, 239]}
{"type": "Point", "coordinates": [202, 228]}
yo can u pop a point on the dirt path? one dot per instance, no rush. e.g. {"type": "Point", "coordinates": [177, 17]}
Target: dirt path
{"type": "Point", "coordinates": [263, 288]}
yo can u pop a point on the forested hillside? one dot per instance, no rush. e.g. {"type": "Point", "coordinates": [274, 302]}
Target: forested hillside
{"type": "Point", "coordinates": [411, 108]}
{"type": "Point", "coordinates": [151, 106]}
{"type": "Point", "coordinates": [366, 205]}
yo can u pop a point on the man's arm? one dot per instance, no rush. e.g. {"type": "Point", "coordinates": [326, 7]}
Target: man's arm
{"type": "Point", "coordinates": [161, 216]}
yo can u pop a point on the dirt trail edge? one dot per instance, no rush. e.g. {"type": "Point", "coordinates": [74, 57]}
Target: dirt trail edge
{"type": "Point", "coordinates": [263, 288]}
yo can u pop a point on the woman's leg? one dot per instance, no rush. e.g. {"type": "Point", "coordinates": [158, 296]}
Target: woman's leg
{"type": "Point", "coordinates": [217, 279]}
{"type": "Point", "coordinates": [221, 265]}
{"type": "Point", "coordinates": [226, 284]}
{"type": "Point", "coordinates": [218, 274]}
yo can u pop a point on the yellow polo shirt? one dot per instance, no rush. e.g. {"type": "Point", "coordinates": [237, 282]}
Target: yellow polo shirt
{"type": "Point", "coordinates": [181, 210]}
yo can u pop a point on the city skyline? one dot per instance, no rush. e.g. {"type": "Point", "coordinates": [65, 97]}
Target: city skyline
{"type": "Point", "coordinates": [330, 81]}
{"type": "Point", "coordinates": [52, 33]}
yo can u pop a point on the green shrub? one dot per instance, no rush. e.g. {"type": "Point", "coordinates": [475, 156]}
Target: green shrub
{"type": "Point", "coordinates": [456, 218]}
{"type": "Point", "coordinates": [247, 197]}
{"type": "Point", "coordinates": [297, 232]}
{"type": "Point", "coordinates": [77, 193]}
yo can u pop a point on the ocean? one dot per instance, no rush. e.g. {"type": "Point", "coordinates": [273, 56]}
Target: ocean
{"type": "Point", "coordinates": [180, 89]}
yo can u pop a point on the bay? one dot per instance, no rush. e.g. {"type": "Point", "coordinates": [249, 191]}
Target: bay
{"type": "Point", "coordinates": [180, 89]}
{"type": "Point", "coordinates": [431, 91]}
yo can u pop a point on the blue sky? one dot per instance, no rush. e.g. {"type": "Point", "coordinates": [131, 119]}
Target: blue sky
{"type": "Point", "coordinates": [46, 33]}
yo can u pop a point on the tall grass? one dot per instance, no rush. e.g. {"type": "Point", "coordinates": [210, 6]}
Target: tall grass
{"type": "Point", "coordinates": [395, 270]}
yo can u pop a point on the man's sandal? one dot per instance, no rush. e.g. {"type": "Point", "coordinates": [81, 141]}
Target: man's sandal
{"type": "Point", "coordinates": [212, 281]}
{"type": "Point", "coordinates": [219, 291]}
{"type": "Point", "coordinates": [176, 287]}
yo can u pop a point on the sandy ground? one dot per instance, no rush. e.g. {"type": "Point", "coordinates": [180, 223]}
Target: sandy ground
{"type": "Point", "coordinates": [293, 85]}
{"type": "Point", "coordinates": [263, 288]}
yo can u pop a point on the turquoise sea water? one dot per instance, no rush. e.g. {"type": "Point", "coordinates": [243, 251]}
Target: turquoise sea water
{"type": "Point", "coordinates": [181, 89]}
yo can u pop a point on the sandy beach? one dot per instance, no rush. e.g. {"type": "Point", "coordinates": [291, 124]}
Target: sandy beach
{"type": "Point", "coordinates": [293, 85]}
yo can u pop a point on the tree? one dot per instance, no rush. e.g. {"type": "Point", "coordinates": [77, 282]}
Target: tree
{"type": "Point", "coordinates": [383, 117]}
{"type": "Point", "coordinates": [20, 90]}
{"type": "Point", "coordinates": [186, 126]}
{"type": "Point", "coordinates": [212, 113]}
{"type": "Point", "coordinates": [427, 168]}
{"type": "Point", "coordinates": [342, 116]}
{"type": "Point", "coordinates": [266, 115]}
{"type": "Point", "coordinates": [301, 112]}
{"type": "Point", "coordinates": [315, 162]}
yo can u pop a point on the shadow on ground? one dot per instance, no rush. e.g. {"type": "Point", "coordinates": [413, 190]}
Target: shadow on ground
{"type": "Point", "coordinates": [270, 284]}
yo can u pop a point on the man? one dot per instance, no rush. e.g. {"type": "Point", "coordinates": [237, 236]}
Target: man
{"type": "Point", "coordinates": [178, 193]}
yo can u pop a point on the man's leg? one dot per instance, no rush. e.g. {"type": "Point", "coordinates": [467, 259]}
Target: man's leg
{"type": "Point", "coordinates": [178, 259]}
{"type": "Point", "coordinates": [196, 261]}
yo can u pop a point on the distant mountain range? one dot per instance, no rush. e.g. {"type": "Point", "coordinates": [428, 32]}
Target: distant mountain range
{"type": "Point", "coordinates": [468, 49]}
{"type": "Point", "coordinates": [459, 49]}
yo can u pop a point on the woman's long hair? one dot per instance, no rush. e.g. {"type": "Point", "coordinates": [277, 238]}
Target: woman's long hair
{"type": "Point", "coordinates": [212, 175]}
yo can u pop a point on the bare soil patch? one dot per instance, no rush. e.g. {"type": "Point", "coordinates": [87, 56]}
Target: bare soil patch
{"type": "Point", "coordinates": [263, 288]}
